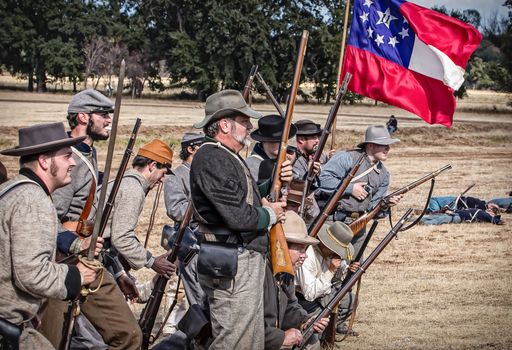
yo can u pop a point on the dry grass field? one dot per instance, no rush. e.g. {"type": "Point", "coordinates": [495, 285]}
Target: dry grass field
{"type": "Point", "coordinates": [444, 287]}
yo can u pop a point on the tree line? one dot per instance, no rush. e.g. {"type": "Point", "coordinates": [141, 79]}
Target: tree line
{"type": "Point", "coordinates": [202, 45]}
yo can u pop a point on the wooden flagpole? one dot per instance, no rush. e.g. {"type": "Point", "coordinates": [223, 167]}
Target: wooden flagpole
{"type": "Point", "coordinates": [340, 66]}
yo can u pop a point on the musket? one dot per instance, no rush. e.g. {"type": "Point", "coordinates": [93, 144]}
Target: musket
{"type": "Point", "coordinates": [248, 84]}
{"type": "Point", "coordinates": [308, 330]}
{"type": "Point", "coordinates": [454, 202]}
{"type": "Point", "coordinates": [153, 214]}
{"type": "Point", "coordinates": [148, 315]}
{"type": "Point", "coordinates": [323, 140]}
{"type": "Point", "coordinates": [73, 308]}
{"type": "Point", "coordinates": [332, 203]}
{"type": "Point", "coordinates": [270, 95]}
{"type": "Point", "coordinates": [361, 222]}
{"type": "Point", "coordinates": [279, 254]}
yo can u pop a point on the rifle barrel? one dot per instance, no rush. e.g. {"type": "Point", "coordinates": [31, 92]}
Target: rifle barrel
{"type": "Point", "coordinates": [108, 162]}
{"type": "Point", "coordinates": [418, 182]}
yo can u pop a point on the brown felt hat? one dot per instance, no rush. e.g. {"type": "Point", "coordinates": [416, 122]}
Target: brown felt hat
{"type": "Point", "coordinates": [42, 138]}
{"type": "Point", "coordinates": [337, 237]}
{"type": "Point", "coordinates": [158, 151]}
{"type": "Point", "coordinates": [295, 230]}
{"type": "Point", "coordinates": [224, 104]}
{"type": "Point", "coordinates": [306, 127]}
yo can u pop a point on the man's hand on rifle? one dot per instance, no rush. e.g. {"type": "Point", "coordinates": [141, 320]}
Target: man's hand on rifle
{"type": "Point", "coordinates": [291, 337]}
{"type": "Point", "coordinates": [335, 264]}
{"type": "Point", "coordinates": [277, 208]}
{"type": "Point", "coordinates": [88, 275]}
{"type": "Point", "coordinates": [332, 152]}
{"type": "Point", "coordinates": [358, 191]}
{"type": "Point", "coordinates": [164, 267]}
{"type": "Point", "coordinates": [316, 168]}
{"type": "Point", "coordinates": [320, 326]}
{"type": "Point", "coordinates": [395, 200]}
{"type": "Point", "coordinates": [86, 242]}
{"type": "Point", "coordinates": [286, 175]}
{"type": "Point", "coordinates": [354, 265]}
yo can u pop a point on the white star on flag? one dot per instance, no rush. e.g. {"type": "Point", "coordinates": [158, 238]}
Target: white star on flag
{"type": "Point", "coordinates": [364, 16]}
{"type": "Point", "coordinates": [385, 17]}
{"type": "Point", "coordinates": [370, 32]}
{"type": "Point", "coordinates": [367, 3]}
{"type": "Point", "coordinates": [393, 41]}
{"type": "Point", "coordinates": [404, 33]}
{"type": "Point", "coordinates": [379, 40]}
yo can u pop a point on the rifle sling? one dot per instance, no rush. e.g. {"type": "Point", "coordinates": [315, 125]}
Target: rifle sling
{"type": "Point", "coordinates": [78, 226]}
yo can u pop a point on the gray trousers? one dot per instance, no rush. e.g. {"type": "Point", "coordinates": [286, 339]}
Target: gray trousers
{"type": "Point", "coordinates": [31, 339]}
{"type": "Point", "coordinates": [236, 305]}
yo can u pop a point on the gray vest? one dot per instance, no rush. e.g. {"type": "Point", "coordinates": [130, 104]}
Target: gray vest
{"type": "Point", "coordinates": [374, 179]}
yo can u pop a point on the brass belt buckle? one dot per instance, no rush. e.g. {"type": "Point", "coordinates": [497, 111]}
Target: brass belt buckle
{"type": "Point", "coordinates": [354, 215]}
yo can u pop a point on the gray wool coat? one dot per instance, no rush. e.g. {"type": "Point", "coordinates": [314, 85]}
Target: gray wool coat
{"type": "Point", "coordinates": [28, 238]}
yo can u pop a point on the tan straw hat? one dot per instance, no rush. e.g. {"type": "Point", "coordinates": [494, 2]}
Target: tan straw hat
{"type": "Point", "coordinates": [337, 237]}
{"type": "Point", "coordinates": [295, 230]}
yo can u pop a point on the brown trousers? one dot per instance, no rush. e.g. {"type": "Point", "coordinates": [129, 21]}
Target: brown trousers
{"type": "Point", "coordinates": [106, 309]}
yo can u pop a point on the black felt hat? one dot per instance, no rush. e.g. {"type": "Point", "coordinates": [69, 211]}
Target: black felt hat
{"type": "Point", "coordinates": [308, 128]}
{"type": "Point", "coordinates": [270, 129]}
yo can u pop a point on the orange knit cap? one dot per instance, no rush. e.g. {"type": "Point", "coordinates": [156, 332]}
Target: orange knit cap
{"type": "Point", "coordinates": [158, 151]}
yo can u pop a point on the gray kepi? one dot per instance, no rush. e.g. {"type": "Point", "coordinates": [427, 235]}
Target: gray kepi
{"type": "Point", "coordinates": [223, 104]}
{"type": "Point", "coordinates": [89, 101]}
{"type": "Point", "coordinates": [379, 135]}
{"type": "Point", "coordinates": [42, 138]}
{"type": "Point", "coordinates": [337, 237]}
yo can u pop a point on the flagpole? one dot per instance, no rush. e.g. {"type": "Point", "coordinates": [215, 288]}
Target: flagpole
{"type": "Point", "coordinates": [340, 66]}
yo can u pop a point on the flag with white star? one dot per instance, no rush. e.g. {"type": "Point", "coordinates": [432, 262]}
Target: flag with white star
{"type": "Point", "coordinates": [408, 56]}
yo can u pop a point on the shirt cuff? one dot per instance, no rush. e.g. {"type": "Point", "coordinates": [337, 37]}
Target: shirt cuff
{"type": "Point", "coordinates": [149, 262]}
{"type": "Point", "coordinates": [75, 246]}
{"type": "Point", "coordinates": [65, 240]}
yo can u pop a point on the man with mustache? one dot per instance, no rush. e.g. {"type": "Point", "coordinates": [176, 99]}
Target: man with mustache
{"type": "Point", "coordinates": [28, 225]}
{"type": "Point", "coordinates": [234, 220]}
{"type": "Point", "coordinates": [114, 325]}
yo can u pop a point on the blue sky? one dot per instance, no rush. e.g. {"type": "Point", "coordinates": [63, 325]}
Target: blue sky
{"type": "Point", "coordinates": [486, 8]}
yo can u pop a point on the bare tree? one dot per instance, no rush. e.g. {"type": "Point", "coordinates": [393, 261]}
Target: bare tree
{"type": "Point", "coordinates": [94, 51]}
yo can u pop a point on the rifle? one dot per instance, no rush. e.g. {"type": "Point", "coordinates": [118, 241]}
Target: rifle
{"type": "Point", "coordinates": [280, 257]}
{"type": "Point", "coordinates": [308, 332]}
{"type": "Point", "coordinates": [323, 140]}
{"type": "Point", "coordinates": [270, 95]}
{"type": "Point", "coordinates": [316, 225]}
{"type": "Point", "coordinates": [453, 204]}
{"type": "Point", "coordinates": [361, 222]}
{"type": "Point", "coordinates": [148, 315]}
{"type": "Point", "coordinates": [248, 84]}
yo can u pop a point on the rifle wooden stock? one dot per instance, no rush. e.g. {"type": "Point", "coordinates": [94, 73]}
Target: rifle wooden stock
{"type": "Point", "coordinates": [148, 315]}
{"type": "Point", "coordinates": [323, 140]}
{"type": "Point", "coordinates": [315, 227]}
{"type": "Point", "coordinates": [280, 256]}
{"type": "Point", "coordinates": [270, 95]}
{"type": "Point", "coordinates": [357, 225]}
{"type": "Point", "coordinates": [308, 332]}
{"type": "Point", "coordinates": [248, 84]}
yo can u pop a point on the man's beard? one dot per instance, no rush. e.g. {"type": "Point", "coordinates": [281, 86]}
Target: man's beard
{"type": "Point", "coordinates": [94, 135]}
{"type": "Point", "coordinates": [243, 140]}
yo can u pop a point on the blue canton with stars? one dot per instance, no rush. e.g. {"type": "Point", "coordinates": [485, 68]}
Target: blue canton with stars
{"type": "Point", "coordinates": [379, 27]}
